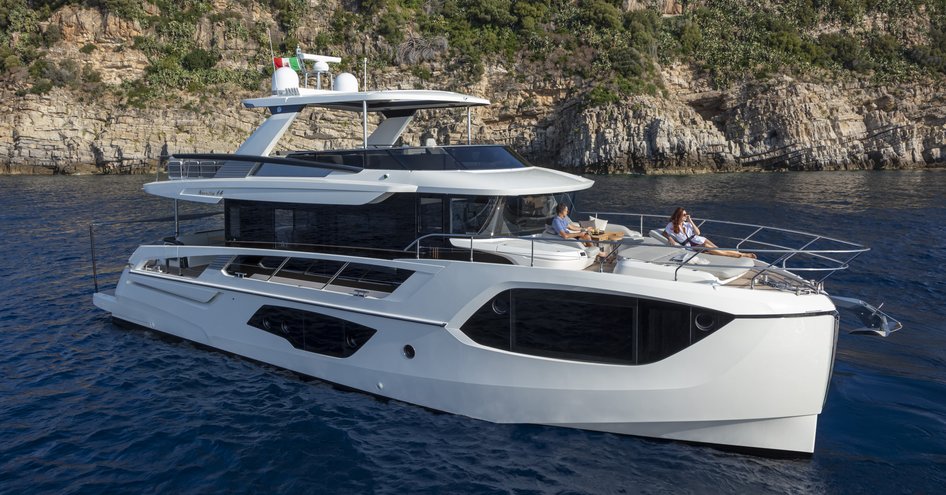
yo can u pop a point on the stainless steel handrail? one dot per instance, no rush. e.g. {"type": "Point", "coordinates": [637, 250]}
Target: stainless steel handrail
{"type": "Point", "coordinates": [824, 260]}
{"type": "Point", "coordinates": [853, 250]}
{"type": "Point", "coordinates": [836, 256]}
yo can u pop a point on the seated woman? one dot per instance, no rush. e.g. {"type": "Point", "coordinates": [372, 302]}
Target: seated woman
{"type": "Point", "coordinates": [681, 230]}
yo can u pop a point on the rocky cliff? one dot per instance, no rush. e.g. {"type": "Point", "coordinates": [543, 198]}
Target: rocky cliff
{"type": "Point", "coordinates": [781, 123]}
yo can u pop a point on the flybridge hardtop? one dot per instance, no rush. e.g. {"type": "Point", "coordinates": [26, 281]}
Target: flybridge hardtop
{"type": "Point", "coordinates": [353, 176]}
{"type": "Point", "coordinates": [376, 101]}
{"type": "Point", "coordinates": [397, 106]}
{"type": "Point", "coordinates": [279, 182]}
{"type": "Point", "coordinates": [437, 274]}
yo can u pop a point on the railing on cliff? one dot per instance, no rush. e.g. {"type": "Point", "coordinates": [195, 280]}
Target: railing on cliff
{"type": "Point", "coordinates": [793, 156]}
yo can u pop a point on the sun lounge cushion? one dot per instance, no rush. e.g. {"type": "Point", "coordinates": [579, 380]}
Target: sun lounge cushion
{"type": "Point", "coordinates": [659, 235]}
{"type": "Point", "coordinates": [722, 267]}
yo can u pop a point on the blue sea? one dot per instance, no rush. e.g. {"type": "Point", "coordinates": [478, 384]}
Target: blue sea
{"type": "Point", "coordinates": [88, 407]}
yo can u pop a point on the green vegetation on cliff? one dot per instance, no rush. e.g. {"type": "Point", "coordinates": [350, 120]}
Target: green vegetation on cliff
{"type": "Point", "coordinates": [610, 52]}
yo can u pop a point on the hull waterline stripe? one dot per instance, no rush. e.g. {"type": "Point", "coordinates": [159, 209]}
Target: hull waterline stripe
{"type": "Point", "coordinates": [339, 307]}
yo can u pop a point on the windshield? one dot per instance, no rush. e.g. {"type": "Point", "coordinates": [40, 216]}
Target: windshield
{"type": "Point", "coordinates": [469, 215]}
{"type": "Point", "coordinates": [526, 215]}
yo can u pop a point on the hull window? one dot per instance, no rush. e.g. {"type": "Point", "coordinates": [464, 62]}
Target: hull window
{"type": "Point", "coordinates": [590, 327]}
{"type": "Point", "coordinates": [312, 332]}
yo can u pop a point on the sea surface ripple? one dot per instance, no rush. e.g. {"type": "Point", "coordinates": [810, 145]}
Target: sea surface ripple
{"type": "Point", "coordinates": [88, 407]}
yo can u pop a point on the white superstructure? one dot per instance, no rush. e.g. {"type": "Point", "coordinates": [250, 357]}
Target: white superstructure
{"type": "Point", "coordinates": [426, 274]}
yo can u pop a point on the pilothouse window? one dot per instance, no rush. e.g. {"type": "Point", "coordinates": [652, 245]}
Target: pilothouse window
{"type": "Point", "coordinates": [470, 215]}
{"type": "Point", "coordinates": [524, 215]}
{"type": "Point", "coordinates": [389, 224]}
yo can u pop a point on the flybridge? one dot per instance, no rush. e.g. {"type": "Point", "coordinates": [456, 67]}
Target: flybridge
{"type": "Point", "coordinates": [288, 98]}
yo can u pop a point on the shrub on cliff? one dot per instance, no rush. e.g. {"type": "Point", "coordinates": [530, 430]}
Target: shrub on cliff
{"type": "Point", "coordinates": [933, 54]}
{"type": "Point", "coordinates": [128, 9]}
{"type": "Point", "coordinates": [198, 58]}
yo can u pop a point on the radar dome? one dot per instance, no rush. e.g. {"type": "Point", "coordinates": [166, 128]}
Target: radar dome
{"type": "Point", "coordinates": [346, 82]}
{"type": "Point", "coordinates": [285, 81]}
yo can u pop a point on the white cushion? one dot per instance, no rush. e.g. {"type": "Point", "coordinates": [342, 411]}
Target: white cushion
{"type": "Point", "coordinates": [659, 235]}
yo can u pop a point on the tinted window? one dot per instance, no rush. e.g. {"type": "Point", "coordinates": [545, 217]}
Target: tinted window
{"type": "Point", "coordinates": [664, 330]}
{"type": "Point", "coordinates": [283, 170]}
{"type": "Point", "coordinates": [470, 215]}
{"type": "Point", "coordinates": [419, 158]}
{"type": "Point", "coordinates": [486, 157]}
{"type": "Point", "coordinates": [424, 159]}
{"type": "Point", "coordinates": [313, 332]}
{"type": "Point", "coordinates": [430, 213]}
{"type": "Point", "coordinates": [390, 224]}
{"type": "Point", "coordinates": [250, 221]}
{"type": "Point", "coordinates": [530, 214]}
{"type": "Point", "coordinates": [562, 324]}
{"type": "Point", "coordinates": [589, 327]}
{"type": "Point", "coordinates": [572, 325]}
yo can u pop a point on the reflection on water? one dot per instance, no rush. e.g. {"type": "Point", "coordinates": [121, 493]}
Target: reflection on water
{"type": "Point", "coordinates": [843, 191]}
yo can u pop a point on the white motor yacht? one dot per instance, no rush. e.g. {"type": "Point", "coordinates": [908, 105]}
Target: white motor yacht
{"type": "Point", "coordinates": [427, 274]}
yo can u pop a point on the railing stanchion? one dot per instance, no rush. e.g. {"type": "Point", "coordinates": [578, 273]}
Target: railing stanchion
{"type": "Point", "coordinates": [95, 274]}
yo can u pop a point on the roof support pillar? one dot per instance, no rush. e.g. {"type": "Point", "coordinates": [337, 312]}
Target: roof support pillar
{"type": "Point", "coordinates": [364, 114]}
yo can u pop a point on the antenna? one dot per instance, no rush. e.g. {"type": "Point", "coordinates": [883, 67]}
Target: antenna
{"type": "Point", "coordinates": [272, 52]}
{"type": "Point", "coordinates": [319, 67]}
{"type": "Point", "coordinates": [305, 70]}
{"type": "Point", "coordinates": [365, 77]}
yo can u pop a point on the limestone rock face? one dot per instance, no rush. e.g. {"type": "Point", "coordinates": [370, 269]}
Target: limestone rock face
{"type": "Point", "coordinates": [775, 125]}
{"type": "Point", "coordinates": [111, 36]}
{"type": "Point", "coordinates": [780, 124]}
{"type": "Point", "coordinates": [55, 134]}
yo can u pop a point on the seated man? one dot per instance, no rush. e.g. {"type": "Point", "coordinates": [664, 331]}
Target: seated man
{"type": "Point", "coordinates": [566, 229]}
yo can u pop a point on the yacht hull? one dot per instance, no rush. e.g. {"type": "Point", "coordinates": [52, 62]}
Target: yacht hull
{"type": "Point", "coordinates": [758, 382]}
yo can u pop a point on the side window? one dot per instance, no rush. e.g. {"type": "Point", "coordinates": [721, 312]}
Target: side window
{"type": "Point", "coordinates": [313, 332]}
{"type": "Point", "coordinates": [664, 330]}
{"type": "Point", "coordinates": [470, 215]}
{"type": "Point", "coordinates": [233, 222]}
{"type": "Point", "coordinates": [527, 214]}
{"type": "Point", "coordinates": [430, 215]}
{"type": "Point", "coordinates": [577, 326]}
{"type": "Point", "coordinates": [589, 327]}
{"type": "Point", "coordinates": [284, 226]}
{"type": "Point", "coordinates": [248, 222]}
{"type": "Point", "coordinates": [389, 224]}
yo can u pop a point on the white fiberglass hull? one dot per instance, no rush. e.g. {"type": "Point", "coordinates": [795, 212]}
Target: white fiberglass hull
{"type": "Point", "coordinates": [758, 382]}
